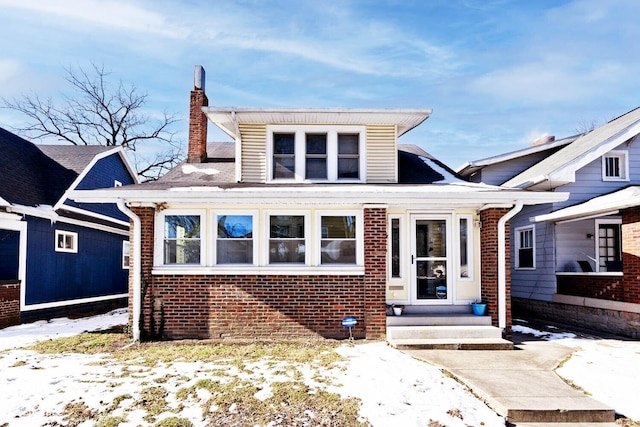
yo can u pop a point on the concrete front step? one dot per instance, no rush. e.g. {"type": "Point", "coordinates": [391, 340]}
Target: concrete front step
{"type": "Point", "coordinates": [465, 337]}
{"type": "Point", "coordinates": [445, 319]}
{"type": "Point", "coordinates": [452, 344]}
{"type": "Point", "coordinates": [574, 410]}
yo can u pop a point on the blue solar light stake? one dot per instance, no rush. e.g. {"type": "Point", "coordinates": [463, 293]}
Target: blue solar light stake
{"type": "Point", "coordinates": [349, 322]}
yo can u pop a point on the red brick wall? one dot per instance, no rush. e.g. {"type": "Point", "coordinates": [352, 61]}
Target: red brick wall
{"type": "Point", "coordinates": [197, 150]}
{"type": "Point", "coordinates": [602, 287]}
{"type": "Point", "coordinates": [266, 306]}
{"type": "Point", "coordinates": [631, 254]}
{"type": "Point", "coordinates": [9, 303]}
{"type": "Point", "coordinates": [489, 263]}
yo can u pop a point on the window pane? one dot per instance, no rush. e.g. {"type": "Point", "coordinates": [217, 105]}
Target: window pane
{"type": "Point", "coordinates": [348, 143]}
{"type": "Point", "coordinates": [395, 247]}
{"type": "Point", "coordinates": [234, 251]}
{"type": "Point", "coordinates": [525, 258]}
{"type": "Point", "coordinates": [284, 167]}
{"type": "Point", "coordinates": [338, 251]}
{"type": "Point", "coordinates": [286, 226]}
{"type": "Point", "coordinates": [235, 226]}
{"type": "Point", "coordinates": [182, 251]}
{"type": "Point", "coordinates": [284, 143]}
{"type": "Point", "coordinates": [337, 227]}
{"type": "Point", "coordinates": [464, 244]}
{"type": "Point", "coordinates": [348, 168]}
{"type": "Point", "coordinates": [316, 143]}
{"type": "Point", "coordinates": [316, 168]}
{"type": "Point", "coordinates": [182, 226]}
{"type": "Point", "coordinates": [286, 251]}
{"type": "Point", "coordinates": [431, 238]}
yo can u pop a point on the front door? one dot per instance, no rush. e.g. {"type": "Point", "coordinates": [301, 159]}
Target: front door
{"type": "Point", "coordinates": [430, 247]}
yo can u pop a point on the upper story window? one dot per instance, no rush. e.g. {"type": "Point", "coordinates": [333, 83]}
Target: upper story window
{"type": "Point", "coordinates": [316, 153]}
{"type": "Point", "coordinates": [66, 241]}
{"type": "Point", "coordinates": [525, 247]}
{"type": "Point", "coordinates": [615, 166]}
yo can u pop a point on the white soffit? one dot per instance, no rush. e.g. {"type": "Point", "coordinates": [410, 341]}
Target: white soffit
{"type": "Point", "coordinates": [227, 118]}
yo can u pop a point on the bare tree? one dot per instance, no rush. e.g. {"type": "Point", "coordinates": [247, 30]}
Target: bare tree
{"type": "Point", "coordinates": [102, 114]}
{"type": "Point", "coordinates": [585, 127]}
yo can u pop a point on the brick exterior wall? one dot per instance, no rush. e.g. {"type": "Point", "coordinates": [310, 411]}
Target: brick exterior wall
{"type": "Point", "coordinates": [602, 287]}
{"type": "Point", "coordinates": [9, 303]}
{"type": "Point", "coordinates": [631, 254]}
{"type": "Point", "coordinates": [265, 306]}
{"type": "Point", "coordinates": [197, 150]}
{"type": "Point", "coordinates": [489, 264]}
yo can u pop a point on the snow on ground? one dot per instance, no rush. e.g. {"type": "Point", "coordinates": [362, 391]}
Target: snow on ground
{"type": "Point", "coordinates": [394, 388]}
{"type": "Point", "coordinates": [607, 369]}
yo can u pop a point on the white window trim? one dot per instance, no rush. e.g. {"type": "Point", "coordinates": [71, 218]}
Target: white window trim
{"type": "Point", "coordinates": [517, 246]}
{"type": "Point", "coordinates": [470, 247]}
{"type": "Point", "coordinates": [126, 247]}
{"type": "Point", "coordinates": [317, 241]}
{"type": "Point", "coordinates": [74, 247]}
{"type": "Point", "coordinates": [623, 155]}
{"type": "Point", "coordinates": [212, 237]}
{"type": "Point", "coordinates": [267, 236]}
{"type": "Point", "coordinates": [598, 223]}
{"type": "Point", "coordinates": [401, 246]}
{"type": "Point", "coordinates": [332, 151]}
{"type": "Point", "coordinates": [158, 256]}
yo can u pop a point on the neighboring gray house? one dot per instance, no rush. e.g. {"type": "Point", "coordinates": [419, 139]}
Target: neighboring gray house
{"type": "Point", "coordinates": [576, 261]}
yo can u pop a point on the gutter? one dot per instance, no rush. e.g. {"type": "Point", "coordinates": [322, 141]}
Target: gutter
{"type": "Point", "coordinates": [137, 267]}
{"type": "Point", "coordinates": [502, 264]}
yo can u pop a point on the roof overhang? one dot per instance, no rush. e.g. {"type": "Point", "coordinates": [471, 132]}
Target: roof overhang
{"type": "Point", "coordinates": [608, 204]}
{"type": "Point", "coordinates": [432, 196]}
{"type": "Point", "coordinates": [228, 118]}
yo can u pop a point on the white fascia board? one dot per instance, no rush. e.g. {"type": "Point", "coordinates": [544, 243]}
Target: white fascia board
{"type": "Point", "coordinates": [88, 168]}
{"type": "Point", "coordinates": [358, 194]}
{"type": "Point", "coordinates": [598, 206]}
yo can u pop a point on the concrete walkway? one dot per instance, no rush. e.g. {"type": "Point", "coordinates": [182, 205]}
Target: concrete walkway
{"type": "Point", "coordinates": [521, 384]}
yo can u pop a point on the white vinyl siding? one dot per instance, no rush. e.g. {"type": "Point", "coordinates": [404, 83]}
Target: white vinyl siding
{"type": "Point", "coordinates": [382, 154]}
{"type": "Point", "coordinates": [254, 146]}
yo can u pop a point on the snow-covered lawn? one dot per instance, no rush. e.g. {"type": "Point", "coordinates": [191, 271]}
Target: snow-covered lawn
{"type": "Point", "coordinates": [392, 387]}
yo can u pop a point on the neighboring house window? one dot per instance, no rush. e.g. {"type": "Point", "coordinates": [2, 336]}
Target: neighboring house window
{"type": "Point", "coordinates": [615, 166]}
{"type": "Point", "coordinates": [316, 153]}
{"type": "Point", "coordinates": [609, 246]}
{"type": "Point", "coordinates": [125, 254]}
{"type": "Point", "coordinates": [66, 241]}
{"type": "Point", "coordinates": [287, 239]}
{"type": "Point", "coordinates": [338, 243]}
{"type": "Point", "coordinates": [182, 239]}
{"type": "Point", "coordinates": [525, 246]}
{"type": "Point", "coordinates": [234, 242]}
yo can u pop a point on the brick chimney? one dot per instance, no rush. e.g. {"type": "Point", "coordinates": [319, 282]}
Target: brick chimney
{"type": "Point", "coordinates": [197, 151]}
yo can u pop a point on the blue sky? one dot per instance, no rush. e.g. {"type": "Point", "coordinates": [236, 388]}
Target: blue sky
{"type": "Point", "coordinates": [497, 74]}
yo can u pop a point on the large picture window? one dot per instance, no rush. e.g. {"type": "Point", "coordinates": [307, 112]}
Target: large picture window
{"type": "Point", "coordinates": [182, 241]}
{"type": "Point", "coordinates": [234, 243]}
{"type": "Point", "coordinates": [525, 247]}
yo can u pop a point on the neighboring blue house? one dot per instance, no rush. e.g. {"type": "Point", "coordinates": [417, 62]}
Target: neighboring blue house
{"type": "Point", "coordinates": [576, 261]}
{"type": "Point", "coordinates": [67, 257]}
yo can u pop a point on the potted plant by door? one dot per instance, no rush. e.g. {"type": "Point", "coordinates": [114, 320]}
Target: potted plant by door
{"type": "Point", "coordinates": [397, 310]}
{"type": "Point", "coordinates": [478, 308]}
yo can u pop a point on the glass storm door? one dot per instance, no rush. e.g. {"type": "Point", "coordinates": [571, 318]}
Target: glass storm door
{"type": "Point", "coordinates": [429, 266]}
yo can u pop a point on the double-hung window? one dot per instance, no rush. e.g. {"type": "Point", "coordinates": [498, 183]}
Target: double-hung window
{"type": "Point", "coordinates": [287, 243]}
{"type": "Point", "coordinates": [338, 242]}
{"type": "Point", "coordinates": [525, 247]}
{"type": "Point", "coordinates": [234, 239]}
{"type": "Point", "coordinates": [182, 238]}
{"type": "Point", "coordinates": [315, 153]}
{"type": "Point", "coordinates": [615, 166]}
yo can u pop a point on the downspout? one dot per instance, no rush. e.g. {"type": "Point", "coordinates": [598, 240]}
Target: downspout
{"type": "Point", "coordinates": [137, 267]}
{"type": "Point", "coordinates": [502, 264]}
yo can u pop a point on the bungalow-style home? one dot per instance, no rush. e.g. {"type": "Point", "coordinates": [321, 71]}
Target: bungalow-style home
{"type": "Point", "coordinates": [576, 261]}
{"type": "Point", "coordinates": [305, 218]}
{"type": "Point", "coordinates": [58, 256]}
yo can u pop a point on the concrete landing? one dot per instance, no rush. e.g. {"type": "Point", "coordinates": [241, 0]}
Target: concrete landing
{"type": "Point", "coordinates": [521, 384]}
